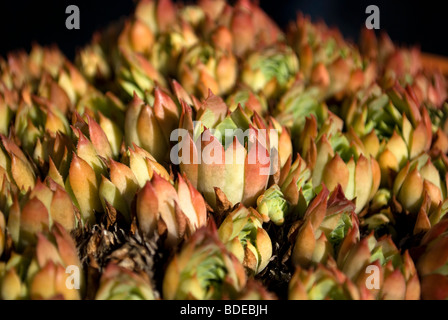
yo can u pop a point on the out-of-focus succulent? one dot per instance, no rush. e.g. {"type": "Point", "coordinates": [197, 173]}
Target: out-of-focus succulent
{"type": "Point", "coordinates": [203, 270]}
{"type": "Point", "coordinates": [395, 272]}
{"type": "Point", "coordinates": [250, 101]}
{"type": "Point", "coordinates": [169, 47]}
{"type": "Point", "coordinates": [298, 103]}
{"type": "Point", "coordinates": [322, 283]}
{"type": "Point", "coordinates": [432, 260]}
{"type": "Point", "coordinates": [328, 225]}
{"type": "Point", "coordinates": [243, 234]}
{"type": "Point", "coordinates": [315, 42]}
{"type": "Point", "coordinates": [158, 15]}
{"type": "Point", "coordinates": [12, 274]}
{"type": "Point", "coordinates": [203, 68]}
{"type": "Point", "coordinates": [137, 75]}
{"type": "Point", "coordinates": [53, 271]}
{"type": "Point", "coordinates": [150, 127]}
{"type": "Point", "coordinates": [109, 105]}
{"type": "Point", "coordinates": [328, 61]}
{"type": "Point", "coordinates": [254, 290]}
{"type": "Point", "coordinates": [118, 283]}
{"type": "Point", "coordinates": [136, 36]}
{"type": "Point", "coordinates": [6, 115]}
{"type": "Point", "coordinates": [36, 117]}
{"type": "Point", "coordinates": [394, 63]}
{"type": "Point", "coordinates": [271, 71]}
{"type": "Point", "coordinates": [430, 89]}
{"type": "Point", "coordinates": [43, 206]}
{"type": "Point", "coordinates": [178, 210]}
{"type": "Point", "coordinates": [92, 61]}
{"type": "Point", "coordinates": [57, 259]}
{"type": "Point", "coordinates": [417, 178]}
{"type": "Point", "coordinates": [241, 28]}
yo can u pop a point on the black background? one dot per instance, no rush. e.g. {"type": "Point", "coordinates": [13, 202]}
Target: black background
{"type": "Point", "coordinates": [423, 23]}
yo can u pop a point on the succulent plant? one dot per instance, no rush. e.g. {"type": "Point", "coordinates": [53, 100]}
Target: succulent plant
{"type": "Point", "coordinates": [431, 262]}
{"type": "Point", "coordinates": [322, 283]}
{"type": "Point", "coordinates": [203, 270]}
{"type": "Point", "coordinates": [243, 234]}
{"type": "Point", "coordinates": [237, 149]}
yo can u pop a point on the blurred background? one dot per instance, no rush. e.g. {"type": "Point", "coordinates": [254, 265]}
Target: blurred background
{"type": "Point", "coordinates": [422, 23]}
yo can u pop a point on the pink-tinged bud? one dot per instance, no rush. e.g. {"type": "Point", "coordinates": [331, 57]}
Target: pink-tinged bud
{"type": "Point", "coordinates": [222, 38]}
{"type": "Point", "coordinates": [440, 143]}
{"type": "Point", "coordinates": [213, 8]}
{"type": "Point", "coordinates": [34, 218]}
{"type": "Point", "coordinates": [147, 209]}
{"type": "Point", "coordinates": [368, 43]}
{"type": "Point", "coordinates": [243, 29]}
{"type": "Point", "coordinates": [321, 283]}
{"type": "Point", "coordinates": [191, 203]}
{"type": "Point", "coordinates": [431, 257]}
{"type": "Point", "coordinates": [267, 30]}
{"type": "Point", "coordinates": [306, 60]}
{"type": "Point", "coordinates": [136, 36]}
{"type": "Point", "coordinates": [434, 287]}
{"type": "Point", "coordinates": [158, 15]}
{"type": "Point", "coordinates": [181, 94]}
{"type": "Point", "coordinates": [320, 76]}
{"type": "Point", "coordinates": [84, 184]}
{"type": "Point", "coordinates": [166, 111]}
{"type": "Point", "coordinates": [99, 139]}
{"type": "Point", "coordinates": [339, 72]}
{"type": "Point", "coordinates": [57, 202]}
{"type": "Point", "coordinates": [55, 254]}
{"type": "Point", "coordinates": [336, 172]}
{"type": "Point", "coordinates": [50, 283]}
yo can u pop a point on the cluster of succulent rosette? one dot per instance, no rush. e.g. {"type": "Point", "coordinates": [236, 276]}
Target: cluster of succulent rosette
{"type": "Point", "coordinates": [358, 137]}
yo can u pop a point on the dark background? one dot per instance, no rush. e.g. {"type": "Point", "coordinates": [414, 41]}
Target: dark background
{"type": "Point", "coordinates": [422, 23]}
